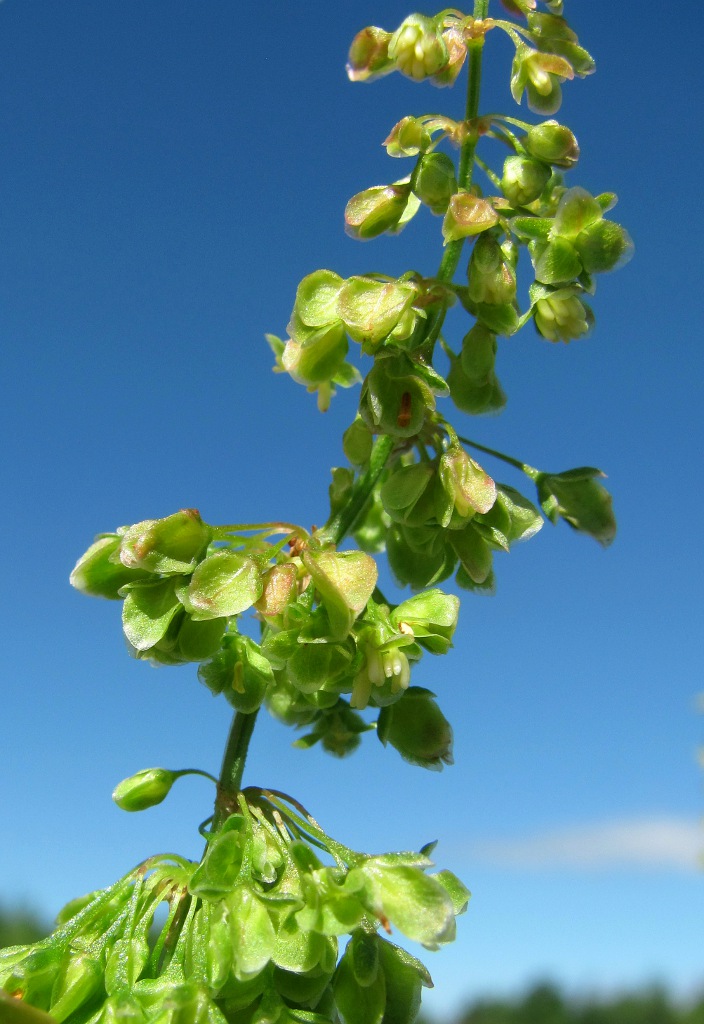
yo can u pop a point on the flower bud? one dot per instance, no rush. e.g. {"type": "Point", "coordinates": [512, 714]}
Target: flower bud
{"type": "Point", "coordinates": [552, 143]}
{"type": "Point", "coordinates": [169, 546]}
{"type": "Point", "coordinates": [369, 55]}
{"type": "Point", "coordinates": [376, 210]}
{"type": "Point", "coordinates": [435, 181]}
{"type": "Point", "coordinates": [417, 728]}
{"type": "Point", "coordinates": [407, 138]}
{"type": "Point", "coordinates": [468, 486]}
{"type": "Point", "coordinates": [562, 316]}
{"type": "Point", "coordinates": [523, 179]}
{"type": "Point", "coordinates": [491, 279]}
{"type": "Point", "coordinates": [467, 215]}
{"type": "Point", "coordinates": [472, 396]}
{"type": "Point", "coordinates": [478, 354]}
{"type": "Point", "coordinates": [145, 789]}
{"type": "Point", "coordinates": [417, 48]}
{"type": "Point", "coordinates": [98, 573]}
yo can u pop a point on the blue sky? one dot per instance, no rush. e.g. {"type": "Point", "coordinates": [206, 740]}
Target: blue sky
{"type": "Point", "coordinates": [170, 171]}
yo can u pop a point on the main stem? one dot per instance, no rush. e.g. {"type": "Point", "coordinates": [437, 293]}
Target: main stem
{"type": "Point", "coordinates": [343, 522]}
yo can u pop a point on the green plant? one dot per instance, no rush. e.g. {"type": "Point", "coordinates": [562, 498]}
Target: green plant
{"type": "Point", "coordinates": [253, 931]}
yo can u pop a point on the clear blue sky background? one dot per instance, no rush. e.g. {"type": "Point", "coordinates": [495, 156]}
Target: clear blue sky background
{"type": "Point", "coordinates": [170, 170]}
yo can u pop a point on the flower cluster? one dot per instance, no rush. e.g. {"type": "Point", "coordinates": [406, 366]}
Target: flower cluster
{"type": "Point", "coordinates": [252, 932]}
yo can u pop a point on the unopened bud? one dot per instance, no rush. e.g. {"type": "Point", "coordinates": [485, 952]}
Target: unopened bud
{"type": "Point", "coordinates": [553, 143]}
{"type": "Point", "coordinates": [369, 55]}
{"type": "Point", "coordinates": [491, 279]}
{"type": "Point", "coordinates": [145, 789]}
{"type": "Point", "coordinates": [418, 48]}
{"type": "Point", "coordinates": [435, 181]}
{"type": "Point", "coordinates": [170, 546]}
{"type": "Point", "coordinates": [376, 210]}
{"type": "Point", "coordinates": [562, 316]}
{"type": "Point", "coordinates": [523, 179]}
{"type": "Point", "coordinates": [417, 728]}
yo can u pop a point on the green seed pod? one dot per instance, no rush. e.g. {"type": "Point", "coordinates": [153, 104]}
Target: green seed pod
{"type": "Point", "coordinates": [468, 486]}
{"type": "Point", "coordinates": [576, 210]}
{"type": "Point", "coordinates": [356, 1003]}
{"type": "Point", "coordinates": [240, 671]}
{"type": "Point", "coordinates": [405, 977]}
{"type": "Point", "coordinates": [555, 261]}
{"type": "Point", "coordinates": [251, 932]}
{"type": "Point", "coordinates": [318, 359]}
{"type": "Point", "coordinates": [418, 566]}
{"type": "Point", "coordinates": [473, 552]}
{"type": "Point", "coordinates": [371, 309]}
{"type": "Point", "coordinates": [435, 181]}
{"type": "Point", "coordinates": [357, 442]}
{"type": "Point", "coordinates": [369, 55]}
{"type": "Point", "coordinates": [523, 179]}
{"type": "Point", "coordinates": [170, 546]}
{"type": "Point", "coordinates": [376, 210]}
{"type": "Point", "coordinates": [29, 972]}
{"type": "Point", "coordinates": [603, 246]}
{"type": "Point", "coordinates": [148, 611]}
{"type": "Point", "coordinates": [287, 704]}
{"type": "Point", "coordinates": [345, 581]}
{"type": "Point", "coordinates": [99, 573]}
{"type": "Point", "coordinates": [471, 397]}
{"type": "Point", "coordinates": [417, 48]}
{"type": "Point", "coordinates": [417, 728]}
{"type": "Point", "coordinates": [467, 215]}
{"type": "Point", "coordinates": [394, 399]}
{"type": "Point", "coordinates": [403, 491]}
{"type": "Point", "coordinates": [540, 75]}
{"type": "Point", "coordinates": [418, 905]}
{"type": "Point", "coordinates": [552, 143]}
{"type": "Point", "coordinates": [491, 279]}
{"type": "Point", "coordinates": [224, 584]}
{"type": "Point", "coordinates": [316, 300]}
{"type": "Point", "coordinates": [145, 789]}
{"type": "Point", "coordinates": [478, 355]}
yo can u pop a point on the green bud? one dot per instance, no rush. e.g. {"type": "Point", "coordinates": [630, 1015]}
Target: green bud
{"type": "Point", "coordinates": [419, 565]}
{"type": "Point", "coordinates": [316, 300]}
{"type": "Point", "coordinates": [357, 442]}
{"type": "Point", "coordinates": [345, 581]}
{"type": "Point", "coordinates": [403, 491]}
{"type": "Point", "coordinates": [578, 498]}
{"type": "Point", "coordinates": [552, 143]}
{"type": "Point", "coordinates": [315, 665]}
{"type": "Point", "coordinates": [239, 671]}
{"type": "Point", "coordinates": [376, 210]}
{"type": "Point", "coordinates": [491, 279]}
{"type": "Point", "coordinates": [395, 399]}
{"type": "Point", "coordinates": [523, 179]}
{"type": "Point", "coordinates": [471, 396]}
{"type": "Point", "coordinates": [478, 355]}
{"type": "Point", "coordinates": [562, 316]}
{"type": "Point", "coordinates": [576, 210]}
{"type": "Point", "coordinates": [603, 246]}
{"type": "Point", "coordinates": [358, 1002]}
{"type": "Point", "coordinates": [170, 546]}
{"type": "Point", "coordinates": [148, 611]}
{"type": "Point", "coordinates": [372, 309]}
{"type": "Point", "coordinates": [435, 181]}
{"type": "Point", "coordinates": [417, 728]}
{"type": "Point", "coordinates": [467, 215]}
{"type": "Point", "coordinates": [417, 48]}
{"type": "Point", "coordinates": [470, 488]}
{"type": "Point", "coordinates": [369, 55]}
{"type": "Point", "coordinates": [145, 789]}
{"type": "Point", "coordinates": [99, 573]}
{"type": "Point", "coordinates": [473, 552]}
{"type": "Point", "coordinates": [318, 359]}
{"type": "Point", "coordinates": [407, 138]}
{"type": "Point", "coordinates": [224, 584]}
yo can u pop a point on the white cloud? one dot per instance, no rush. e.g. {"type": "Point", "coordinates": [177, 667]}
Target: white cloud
{"type": "Point", "coordinates": [653, 842]}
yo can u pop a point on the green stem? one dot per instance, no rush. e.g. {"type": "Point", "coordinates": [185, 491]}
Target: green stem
{"type": "Point", "coordinates": [453, 250]}
{"type": "Point", "coordinates": [523, 466]}
{"type": "Point", "coordinates": [230, 781]}
{"type": "Point", "coordinates": [339, 525]}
